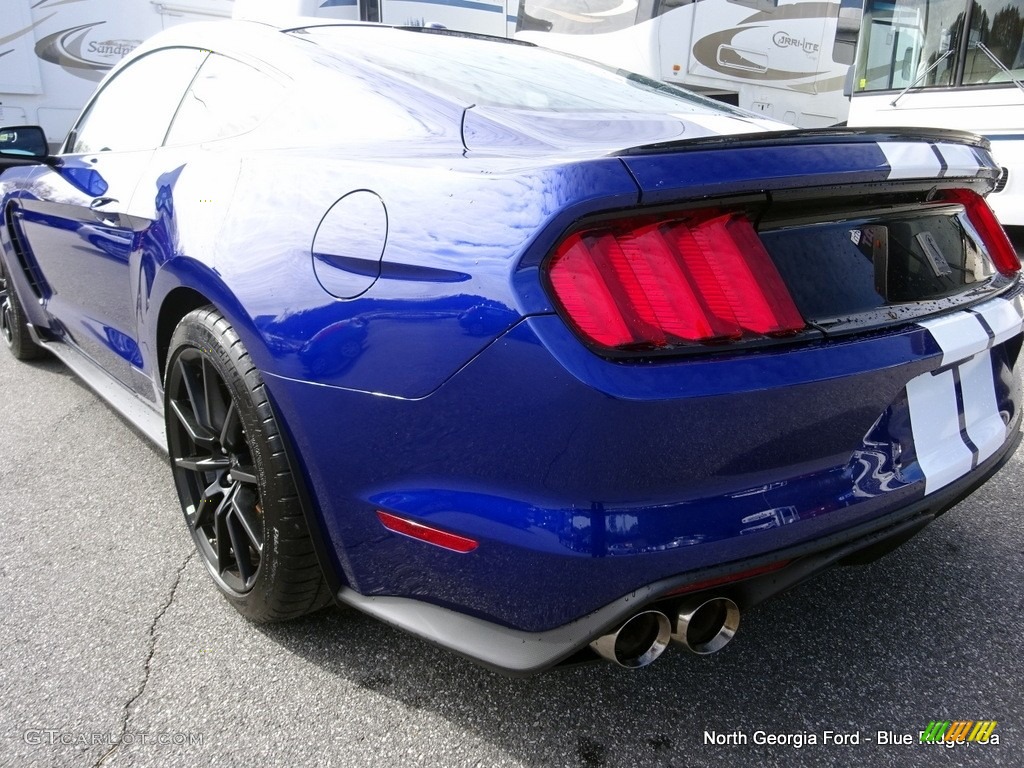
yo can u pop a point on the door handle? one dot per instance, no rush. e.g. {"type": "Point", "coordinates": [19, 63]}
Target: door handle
{"type": "Point", "coordinates": [106, 218]}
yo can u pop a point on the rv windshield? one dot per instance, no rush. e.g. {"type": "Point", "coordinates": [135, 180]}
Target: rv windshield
{"type": "Point", "coordinates": [921, 43]}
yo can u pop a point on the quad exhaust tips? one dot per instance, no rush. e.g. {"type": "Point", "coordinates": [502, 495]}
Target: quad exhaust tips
{"type": "Point", "coordinates": [638, 641]}
{"type": "Point", "coordinates": [706, 626]}
{"type": "Point", "coordinates": [703, 626]}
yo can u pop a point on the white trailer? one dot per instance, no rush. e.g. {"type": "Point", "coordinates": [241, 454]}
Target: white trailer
{"type": "Point", "coordinates": [785, 59]}
{"type": "Point", "coordinates": [53, 52]}
{"type": "Point", "coordinates": [482, 17]}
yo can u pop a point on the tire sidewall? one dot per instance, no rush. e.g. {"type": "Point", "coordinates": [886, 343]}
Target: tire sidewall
{"type": "Point", "coordinates": [192, 333]}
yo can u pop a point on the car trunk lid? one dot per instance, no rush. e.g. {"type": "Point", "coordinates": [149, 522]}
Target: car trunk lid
{"type": "Point", "coordinates": [863, 229]}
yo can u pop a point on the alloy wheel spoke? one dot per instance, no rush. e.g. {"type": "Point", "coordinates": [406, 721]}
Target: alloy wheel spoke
{"type": "Point", "coordinates": [245, 513]}
{"type": "Point", "coordinates": [192, 380]}
{"type": "Point", "coordinates": [216, 407]}
{"type": "Point", "coordinates": [197, 433]}
{"type": "Point", "coordinates": [216, 488]}
{"type": "Point", "coordinates": [231, 433]}
{"type": "Point", "coordinates": [203, 514]}
{"type": "Point", "coordinates": [239, 544]}
{"type": "Point", "coordinates": [244, 474]}
{"type": "Point", "coordinates": [203, 463]}
{"type": "Point", "coordinates": [220, 528]}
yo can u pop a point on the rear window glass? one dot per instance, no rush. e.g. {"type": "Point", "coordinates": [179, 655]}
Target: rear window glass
{"type": "Point", "coordinates": [490, 73]}
{"type": "Point", "coordinates": [226, 98]}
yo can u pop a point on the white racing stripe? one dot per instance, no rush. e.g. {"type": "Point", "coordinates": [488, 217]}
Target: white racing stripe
{"type": "Point", "coordinates": [1003, 317]}
{"type": "Point", "coordinates": [910, 159]}
{"type": "Point", "coordinates": [954, 413]}
{"type": "Point", "coordinates": [935, 422]}
{"type": "Point", "coordinates": [985, 426]}
{"type": "Point", "coordinates": [949, 441]}
{"type": "Point", "coordinates": [960, 160]}
{"type": "Point", "coordinates": [960, 336]}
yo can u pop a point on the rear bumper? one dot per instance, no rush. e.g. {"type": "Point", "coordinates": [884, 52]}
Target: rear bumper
{"type": "Point", "coordinates": [522, 653]}
{"type": "Point", "coordinates": [592, 486]}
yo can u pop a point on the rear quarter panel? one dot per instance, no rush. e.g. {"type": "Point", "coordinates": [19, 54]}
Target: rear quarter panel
{"type": "Point", "coordinates": [456, 230]}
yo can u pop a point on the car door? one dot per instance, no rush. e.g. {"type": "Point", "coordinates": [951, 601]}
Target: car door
{"type": "Point", "coordinates": [83, 222]}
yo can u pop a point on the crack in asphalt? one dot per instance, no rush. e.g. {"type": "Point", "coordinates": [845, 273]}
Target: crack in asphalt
{"type": "Point", "coordinates": [149, 660]}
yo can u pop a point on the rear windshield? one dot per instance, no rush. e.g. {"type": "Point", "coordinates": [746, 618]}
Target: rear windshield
{"type": "Point", "coordinates": [473, 71]}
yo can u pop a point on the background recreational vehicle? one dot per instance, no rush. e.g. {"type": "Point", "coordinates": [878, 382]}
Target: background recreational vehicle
{"type": "Point", "coordinates": [949, 64]}
{"type": "Point", "coordinates": [53, 52]}
{"type": "Point", "coordinates": [785, 59]}
{"type": "Point", "coordinates": [945, 63]}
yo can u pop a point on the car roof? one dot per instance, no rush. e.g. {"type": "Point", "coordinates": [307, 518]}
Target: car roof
{"type": "Point", "coordinates": [224, 35]}
{"type": "Point", "coordinates": [296, 48]}
{"type": "Point", "coordinates": [241, 34]}
{"type": "Point", "coordinates": [266, 41]}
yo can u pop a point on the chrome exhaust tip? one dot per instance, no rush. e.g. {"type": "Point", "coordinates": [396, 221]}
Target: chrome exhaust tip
{"type": "Point", "coordinates": [707, 626]}
{"type": "Point", "coordinates": [638, 641]}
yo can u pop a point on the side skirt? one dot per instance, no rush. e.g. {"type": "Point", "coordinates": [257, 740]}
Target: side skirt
{"type": "Point", "coordinates": [126, 403]}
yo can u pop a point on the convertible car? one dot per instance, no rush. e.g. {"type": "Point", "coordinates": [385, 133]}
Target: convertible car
{"type": "Point", "coordinates": [535, 359]}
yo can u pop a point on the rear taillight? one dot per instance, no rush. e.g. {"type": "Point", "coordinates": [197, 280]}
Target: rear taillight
{"type": "Point", "coordinates": [1000, 249]}
{"type": "Point", "coordinates": [643, 284]}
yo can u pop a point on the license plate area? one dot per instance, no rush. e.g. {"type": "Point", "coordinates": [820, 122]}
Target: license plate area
{"type": "Point", "coordinates": [858, 269]}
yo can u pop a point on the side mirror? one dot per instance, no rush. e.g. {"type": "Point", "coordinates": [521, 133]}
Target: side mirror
{"type": "Point", "coordinates": [26, 141]}
{"type": "Point", "coordinates": [844, 50]}
{"type": "Point", "coordinates": [86, 179]}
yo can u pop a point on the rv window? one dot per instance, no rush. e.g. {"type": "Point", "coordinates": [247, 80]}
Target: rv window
{"type": "Point", "coordinates": [999, 26]}
{"type": "Point", "coordinates": [909, 43]}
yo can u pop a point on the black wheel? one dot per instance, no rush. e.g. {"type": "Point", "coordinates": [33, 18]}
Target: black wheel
{"type": "Point", "coordinates": [13, 326]}
{"type": "Point", "coordinates": [236, 489]}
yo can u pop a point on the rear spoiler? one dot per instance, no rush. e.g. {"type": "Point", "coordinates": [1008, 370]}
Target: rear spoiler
{"type": "Point", "coordinates": [803, 137]}
{"type": "Point", "coordinates": [811, 163]}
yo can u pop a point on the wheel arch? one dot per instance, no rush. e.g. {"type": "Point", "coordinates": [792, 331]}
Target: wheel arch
{"type": "Point", "coordinates": [178, 303]}
{"type": "Point", "coordinates": [185, 285]}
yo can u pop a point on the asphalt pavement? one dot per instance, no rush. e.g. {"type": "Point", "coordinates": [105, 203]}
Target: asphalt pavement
{"type": "Point", "coordinates": [116, 650]}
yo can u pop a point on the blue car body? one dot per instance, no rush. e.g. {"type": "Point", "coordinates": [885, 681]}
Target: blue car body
{"type": "Point", "coordinates": [394, 295]}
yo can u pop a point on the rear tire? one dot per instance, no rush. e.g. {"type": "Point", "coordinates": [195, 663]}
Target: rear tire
{"type": "Point", "coordinates": [13, 325]}
{"type": "Point", "coordinates": [236, 487]}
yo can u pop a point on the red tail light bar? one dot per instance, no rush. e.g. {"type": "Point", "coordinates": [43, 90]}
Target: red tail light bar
{"type": "Point", "coordinates": [642, 284]}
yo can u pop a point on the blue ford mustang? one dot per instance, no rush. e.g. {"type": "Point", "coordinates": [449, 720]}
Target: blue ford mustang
{"type": "Point", "coordinates": [537, 360]}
